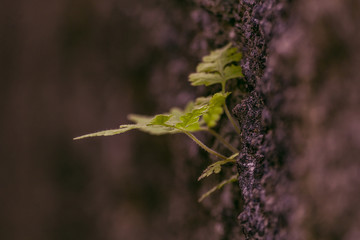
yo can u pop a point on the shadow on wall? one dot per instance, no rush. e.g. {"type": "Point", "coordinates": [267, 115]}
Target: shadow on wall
{"type": "Point", "coordinates": [73, 67]}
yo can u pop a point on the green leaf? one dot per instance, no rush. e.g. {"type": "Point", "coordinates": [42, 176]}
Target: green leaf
{"type": "Point", "coordinates": [154, 125]}
{"type": "Point", "coordinates": [234, 57]}
{"type": "Point", "coordinates": [218, 67]}
{"type": "Point", "coordinates": [122, 129]}
{"type": "Point", "coordinates": [160, 119]}
{"type": "Point", "coordinates": [206, 67]}
{"type": "Point", "coordinates": [177, 112]}
{"type": "Point", "coordinates": [232, 179]}
{"type": "Point", "coordinates": [215, 109]}
{"type": "Point", "coordinates": [216, 54]}
{"type": "Point", "coordinates": [144, 121]}
{"type": "Point", "coordinates": [206, 79]}
{"type": "Point", "coordinates": [232, 71]}
{"type": "Point", "coordinates": [201, 101]}
{"type": "Point", "coordinates": [175, 121]}
{"type": "Point", "coordinates": [216, 166]}
{"type": "Point", "coordinates": [224, 57]}
{"type": "Point", "coordinates": [190, 121]}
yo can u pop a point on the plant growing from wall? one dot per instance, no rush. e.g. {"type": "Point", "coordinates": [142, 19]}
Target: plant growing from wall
{"type": "Point", "coordinates": [199, 115]}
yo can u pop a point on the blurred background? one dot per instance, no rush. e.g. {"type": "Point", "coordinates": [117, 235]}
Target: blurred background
{"type": "Point", "coordinates": [73, 67]}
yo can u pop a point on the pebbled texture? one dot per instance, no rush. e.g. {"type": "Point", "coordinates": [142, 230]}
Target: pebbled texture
{"type": "Point", "coordinates": [298, 109]}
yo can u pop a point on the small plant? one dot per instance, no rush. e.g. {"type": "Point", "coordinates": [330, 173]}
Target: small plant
{"type": "Point", "coordinates": [199, 115]}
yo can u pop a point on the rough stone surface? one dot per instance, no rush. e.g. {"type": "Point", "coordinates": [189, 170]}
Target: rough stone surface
{"type": "Point", "coordinates": [298, 116]}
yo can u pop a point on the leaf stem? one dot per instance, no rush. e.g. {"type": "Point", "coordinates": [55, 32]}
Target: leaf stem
{"type": "Point", "coordinates": [221, 139]}
{"type": "Point", "coordinates": [232, 179]}
{"type": "Point", "coordinates": [203, 146]}
{"type": "Point", "coordinates": [237, 129]}
{"type": "Point", "coordinates": [227, 112]}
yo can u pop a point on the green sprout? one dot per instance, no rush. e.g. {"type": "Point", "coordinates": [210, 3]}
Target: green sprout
{"type": "Point", "coordinates": [199, 115]}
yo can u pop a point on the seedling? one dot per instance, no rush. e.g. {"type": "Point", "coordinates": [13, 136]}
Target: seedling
{"type": "Point", "coordinates": [199, 115]}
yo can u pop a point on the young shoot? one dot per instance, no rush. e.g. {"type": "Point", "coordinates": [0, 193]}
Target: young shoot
{"type": "Point", "coordinates": [200, 115]}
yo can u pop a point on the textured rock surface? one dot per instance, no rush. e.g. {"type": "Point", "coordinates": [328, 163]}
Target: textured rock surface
{"type": "Point", "coordinates": [299, 118]}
